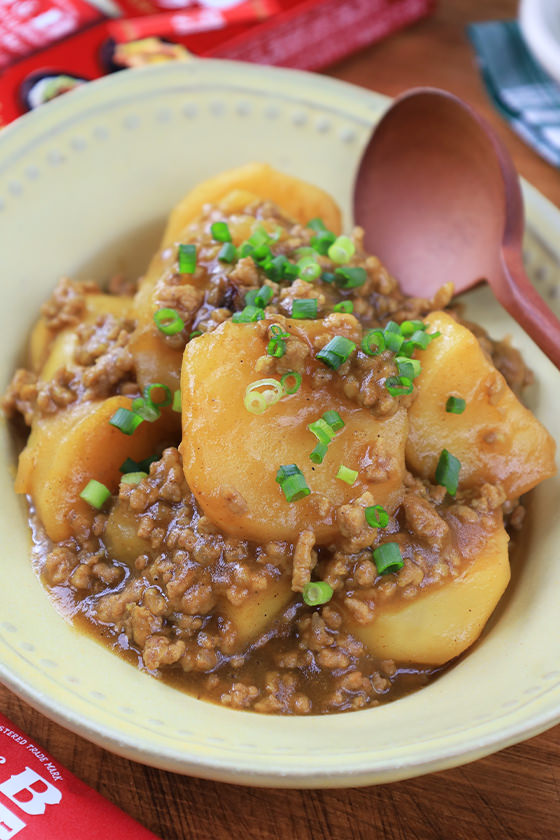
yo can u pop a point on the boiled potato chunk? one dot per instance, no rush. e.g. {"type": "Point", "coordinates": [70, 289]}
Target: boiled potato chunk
{"type": "Point", "coordinates": [121, 535]}
{"type": "Point", "coordinates": [231, 456]}
{"type": "Point", "coordinates": [255, 615]}
{"type": "Point", "coordinates": [67, 449]}
{"type": "Point", "coordinates": [444, 620]}
{"type": "Point", "coordinates": [496, 439]}
{"type": "Point", "coordinates": [154, 360]}
{"type": "Point", "coordinates": [300, 200]}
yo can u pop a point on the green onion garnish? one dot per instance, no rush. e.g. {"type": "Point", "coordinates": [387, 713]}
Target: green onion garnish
{"type": "Point", "coordinates": [145, 409]}
{"type": "Point", "coordinates": [318, 453]}
{"type": "Point", "coordinates": [274, 268]}
{"type": "Point", "coordinates": [168, 321]}
{"type": "Point", "coordinates": [259, 297]}
{"type": "Point", "coordinates": [133, 477]}
{"type": "Point", "coordinates": [125, 420]}
{"type": "Point", "coordinates": [388, 558]}
{"type": "Point", "coordinates": [408, 328]}
{"type": "Point", "coordinates": [187, 259]}
{"type": "Point", "coordinates": [304, 308]}
{"type": "Point", "coordinates": [227, 253]}
{"type": "Point", "coordinates": [220, 232]}
{"type": "Point", "coordinates": [346, 474]}
{"type": "Point", "coordinates": [194, 334]}
{"type": "Point", "coordinates": [293, 483]}
{"type": "Point", "coordinates": [135, 466]}
{"type": "Point", "coordinates": [398, 386]}
{"type": "Point", "coordinates": [256, 401]}
{"type": "Point", "coordinates": [409, 368]}
{"type": "Point", "coordinates": [316, 593]}
{"type": "Point", "coordinates": [248, 315]}
{"type": "Point", "coordinates": [277, 346]}
{"type": "Point", "coordinates": [322, 430]}
{"type": "Point", "coordinates": [167, 397]}
{"type": "Point", "coordinates": [322, 242]}
{"type": "Point", "coordinates": [344, 306]}
{"type": "Point", "coordinates": [262, 253]}
{"type": "Point", "coordinates": [316, 224]}
{"type": "Point", "coordinates": [376, 516]}
{"type": "Point", "coordinates": [95, 494]}
{"type": "Point", "coordinates": [350, 278]}
{"type": "Point", "coordinates": [342, 250]}
{"type": "Point", "coordinates": [455, 405]}
{"type": "Point", "coordinates": [336, 352]}
{"type": "Point", "coordinates": [290, 271]}
{"type": "Point", "coordinates": [259, 237]}
{"type": "Point", "coordinates": [309, 269]}
{"type": "Point", "coordinates": [291, 388]}
{"type": "Point", "coordinates": [373, 342]}
{"type": "Point", "coordinates": [246, 249]}
{"type": "Point", "coordinates": [176, 405]}
{"type": "Point", "coordinates": [393, 340]}
{"type": "Point", "coordinates": [334, 420]}
{"type": "Point", "coordinates": [328, 276]}
{"type": "Point", "coordinates": [447, 472]}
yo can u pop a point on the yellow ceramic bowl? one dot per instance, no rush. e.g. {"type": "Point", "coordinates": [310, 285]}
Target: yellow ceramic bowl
{"type": "Point", "coordinates": [85, 185]}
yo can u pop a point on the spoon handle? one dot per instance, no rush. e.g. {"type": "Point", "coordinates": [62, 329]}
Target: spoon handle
{"type": "Point", "coordinates": [523, 302]}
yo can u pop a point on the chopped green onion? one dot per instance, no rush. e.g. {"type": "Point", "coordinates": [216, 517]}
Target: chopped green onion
{"type": "Point", "coordinates": [319, 453]}
{"type": "Point", "coordinates": [309, 269]}
{"type": "Point", "coordinates": [328, 276]}
{"type": "Point", "coordinates": [316, 224]}
{"type": "Point", "coordinates": [336, 352]}
{"type": "Point", "coordinates": [167, 398]}
{"type": "Point", "coordinates": [373, 342]}
{"type": "Point", "coordinates": [322, 430]}
{"type": "Point", "coordinates": [447, 472]}
{"type": "Point", "coordinates": [274, 269]}
{"type": "Point", "coordinates": [304, 308]}
{"type": "Point", "coordinates": [342, 250]}
{"type": "Point", "coordinates": [194, 334]}
{"type": "Point", "coordinates": [346, 474]}
{"type": "Point", "coordinates": [455, 405]}
{"type": "Point", "coordinates": [392, 327]}
{"type": "Point", "coordinates": [316, 593]}
{"type": "Point", "coordinates": [376, 516]}
{"type": "Point", "coordinates": [276, 331]}
{"type": "Point", "coordinates": [393, 341]}
{"type": "Point", "coordinates": [248, 315]}
{"type": "Point", "coordinates": [293, 483]}
{"type": "Point", "coordinates": [168, 321]}
{"type": "Point", "coordinates": [259, 237]}
{"type": "Point", "coordinates": [145, 409]}
{"type": "Point", "coordinates": [290, 271]}
{"type": "Point", "coordinates": [388, 558]}
{"type": "Point", "coordinates": [134, 466]}
{"type": "Point", "coordinates": [276, 348]}
{"type": "Point", "coordinates": [419, 340]}
{"type": "Point", "coordinates": [125, 420]}
{"type": "Point", "coordinates": [261, 253]}
{"type": "Point", "coordinates": [305, 251]}
{"type": "Point", "coordinates": [256, 401]}
{"type": "Point", "coordinates": [259, 297]}
{"type": "Point", "coordinates": [296, 377]}
{"type": "Point", "coordinates": [187, 259]}
{"type": "Point", "coordinates": [334, 420]}
{"type": "Point", "coordinates": [409, 368]}
{"type": "Point", "coordinates": [176, 406]}
{"type": "Point", "coordinates": [350, 278]}
{"type": "Point", "coordinates": [220, 232]}
{"type": "Point", "coordinates": [227, 253]}
{"type": "Point", "coordinates": [408, 328]}
{"type": "Point", "coordinates": [95, 494]}
{"type": "Point", "coordinates": [133, 477]}
{"type": "Point", "coordinates": [398, 386]}
{"type": "Point", "coordinates": [344, 306]}
{"type": "Point", "coordinates": [246, 249]}
{"type": "Point", "coordinates": [322, 242]}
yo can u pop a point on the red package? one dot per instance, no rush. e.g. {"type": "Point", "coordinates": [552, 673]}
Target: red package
{"type": "Point", "coordinates": [41, 800]}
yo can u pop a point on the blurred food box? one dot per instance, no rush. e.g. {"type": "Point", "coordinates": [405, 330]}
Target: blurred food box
{"type": "Point", "coordinates": [48, 47]}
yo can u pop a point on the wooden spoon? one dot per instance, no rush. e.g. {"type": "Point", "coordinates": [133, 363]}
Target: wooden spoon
{"type": "Point", "coordinates": [439, 199]}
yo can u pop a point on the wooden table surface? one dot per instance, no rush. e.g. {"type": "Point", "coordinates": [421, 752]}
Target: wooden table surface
{"type": "Point", "coordinates": [514, 794]}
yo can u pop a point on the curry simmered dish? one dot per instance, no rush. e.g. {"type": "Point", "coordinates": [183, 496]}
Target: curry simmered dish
{"type": "Point", "coordinates": [263, 472]}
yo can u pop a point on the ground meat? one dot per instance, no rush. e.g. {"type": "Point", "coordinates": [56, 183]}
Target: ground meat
{"type": "Point", "coordinates": [21, 396]}
{"type": "Point", "coordinates": [304, 560]}
{"type": "Point", "coordinates": [67, 304]}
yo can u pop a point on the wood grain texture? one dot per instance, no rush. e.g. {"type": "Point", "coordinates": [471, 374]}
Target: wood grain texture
{"type": "Point", "coordinates": [513, 795]}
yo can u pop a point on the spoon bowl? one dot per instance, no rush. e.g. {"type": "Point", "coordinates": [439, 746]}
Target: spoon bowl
{"type": "Point", "coordinates": [439, 199]}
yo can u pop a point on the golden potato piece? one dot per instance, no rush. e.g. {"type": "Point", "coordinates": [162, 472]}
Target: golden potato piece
{"type": "Point", "coordinates": [67, 449]}
{"type": "Point", "coordinates": [496, 439]}
{"type": "Point", "coordinates": [255, 615]}
{"type": "Point", "coordinates": [154, 359]}
{"type": "Point", "coordinates": [444, 620]}
{"type": "Point", "coordinates": [300, 200]}
{"type": "Point", "coordinates": [231, 456]}
{"type": "Point", "coordinates": [121, 534]}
